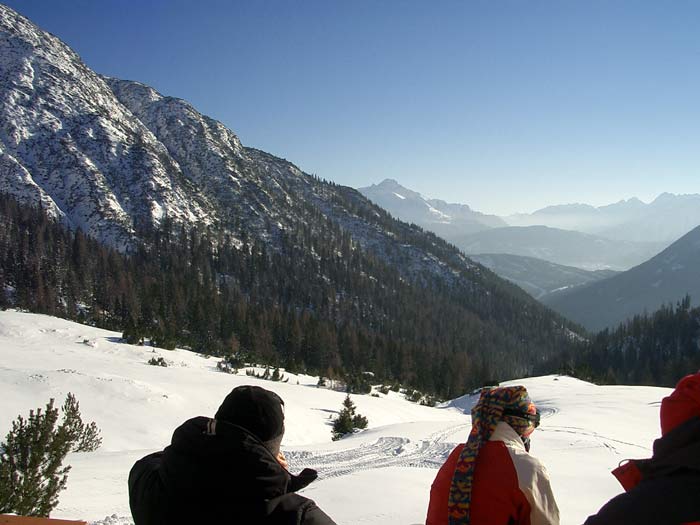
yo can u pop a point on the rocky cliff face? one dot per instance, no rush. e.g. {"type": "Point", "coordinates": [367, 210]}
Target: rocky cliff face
{"type": "Point", "coordinates": [66, 140]}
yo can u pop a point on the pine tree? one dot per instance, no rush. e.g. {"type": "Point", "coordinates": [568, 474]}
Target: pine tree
{"type": "Point", "coordinates": [348, 420]}
{"type": "Point", "coordinates": [31, 458]}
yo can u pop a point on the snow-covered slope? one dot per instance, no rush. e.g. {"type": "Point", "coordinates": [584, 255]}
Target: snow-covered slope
{"type": "Point", "coordinates": [586, 430]}
{"type": "Point", "coordinates": [67, 140]}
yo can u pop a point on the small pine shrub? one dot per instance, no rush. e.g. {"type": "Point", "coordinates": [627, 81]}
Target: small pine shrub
{"type": "Point", "coordinates": [237, 360]}
{"type": "Point", "coordinates": [348, 420]}
{"type": "Point", "coordinates": [276, 375]}
{"type": "Point", "coordinates": [157, 361]}
{"type": "Point", "coordinates": [31, 457]}
{"type": "Point", "coordinates": [132, 335]}
{"type": "Point", "coordinates": [414, 395]}
{"type": "Point", "coordinates": [168, 342]}
{"type": "Point", "coordinates": [429, 401]}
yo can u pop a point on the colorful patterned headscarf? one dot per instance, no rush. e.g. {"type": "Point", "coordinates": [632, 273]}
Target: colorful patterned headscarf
{"type": "Point", "coordinates": [486, 414]}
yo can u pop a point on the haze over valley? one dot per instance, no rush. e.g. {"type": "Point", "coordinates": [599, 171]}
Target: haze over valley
{"type": "Point", "coordinates": [569, 255]}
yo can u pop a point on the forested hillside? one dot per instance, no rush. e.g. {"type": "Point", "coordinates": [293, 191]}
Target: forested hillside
{"type": "Point", "coordinates": [656, 349]}
{"type": "Point", "coordinates": [318, 303]}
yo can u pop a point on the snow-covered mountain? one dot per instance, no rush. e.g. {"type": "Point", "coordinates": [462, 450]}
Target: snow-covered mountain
{"type": "Point", "coordinates": [536, 276]}
{"type": "Point", "coordinates": [665, 219]}
{"type": "Point", "coordinates": [664, 279]}
{"type": "Point", "coordinates": [67, 141]}
{"type": "Point", "coordinates": [445, 219]}
{"type": "Point", "coordinates": [562, 234]}
{"type": "Point", "coordinates": [586, 429]}
{"type": "Point", "coordinates": [112, 157]}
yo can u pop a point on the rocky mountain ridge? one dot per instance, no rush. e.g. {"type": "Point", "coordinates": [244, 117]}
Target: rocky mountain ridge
{"type": "Point", "coordinates": [665, 219]}
{"type": "Point", "coordinates": [67, 142]}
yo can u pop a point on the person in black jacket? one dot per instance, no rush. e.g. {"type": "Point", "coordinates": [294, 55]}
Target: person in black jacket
{"type": "Point", "coordinates": [665, 489]}
{"type": "Point", "coordinates": [226, 470]}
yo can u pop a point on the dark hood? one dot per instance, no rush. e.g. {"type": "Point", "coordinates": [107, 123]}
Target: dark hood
{"type": "Point", "coordinates": [676, 452]}
{"type": "Point", "coordinates": [217, 472]}
{"type": "Point", "coordinates": [232, 464]}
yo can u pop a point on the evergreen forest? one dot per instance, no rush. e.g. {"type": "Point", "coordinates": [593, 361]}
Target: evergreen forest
{"type": "Point", "coordinates": [650, 349]}
{"type": "Point", "coordinates": [317, 302]}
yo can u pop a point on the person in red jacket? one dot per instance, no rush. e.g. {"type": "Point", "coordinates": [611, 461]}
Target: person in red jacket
{"type": "Point", "coordinates": [492, 479]}
{"type": "Point", "coordinates": [665, 489]}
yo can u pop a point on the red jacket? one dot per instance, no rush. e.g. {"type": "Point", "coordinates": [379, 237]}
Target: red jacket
{"type": "Point", "coordinates": [511, 487]}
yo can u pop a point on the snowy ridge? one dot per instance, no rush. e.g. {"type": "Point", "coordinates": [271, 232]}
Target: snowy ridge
{"type": "Point", "coordinates": [84, 152]}
{"type": "Point", "coordinates": [586, 429]}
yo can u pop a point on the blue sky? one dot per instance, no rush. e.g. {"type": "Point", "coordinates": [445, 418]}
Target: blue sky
{"type": "Point", "coordinates": [503, 105]}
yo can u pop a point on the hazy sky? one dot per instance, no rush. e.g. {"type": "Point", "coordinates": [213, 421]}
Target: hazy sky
{"type": "Point", "coordinates": [503, 105]}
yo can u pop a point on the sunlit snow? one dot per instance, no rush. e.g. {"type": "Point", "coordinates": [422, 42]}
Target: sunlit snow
{"type": "Point", "coordinates": [586, 429]}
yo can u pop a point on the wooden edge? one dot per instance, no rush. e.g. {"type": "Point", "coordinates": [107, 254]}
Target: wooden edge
{"type": "Point", "coordinates": [7, 519]}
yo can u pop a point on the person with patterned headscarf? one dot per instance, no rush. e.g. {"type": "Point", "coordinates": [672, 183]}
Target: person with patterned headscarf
{"type": "Point", "coordinates": [492, 479]}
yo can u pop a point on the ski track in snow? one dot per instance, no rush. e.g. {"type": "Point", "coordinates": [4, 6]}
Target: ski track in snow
{"type": "Point", "coordinates": [383, 453]}
{"type": "Point", "coordinates": [603, 440]}
{"type": "Point", "coordinates": [398, 452]}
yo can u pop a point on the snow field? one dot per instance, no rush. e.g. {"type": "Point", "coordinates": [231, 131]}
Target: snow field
{"type": "Point", "coordinates": [378, 476]}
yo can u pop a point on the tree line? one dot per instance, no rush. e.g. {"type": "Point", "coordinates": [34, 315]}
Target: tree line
{"type": "Point", "coordinates": [649, 349]}
{"type": "Point", "coordinates": [318, 302]}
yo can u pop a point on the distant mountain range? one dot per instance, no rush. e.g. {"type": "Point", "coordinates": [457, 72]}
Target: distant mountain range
{"type": "Point", "coordinates": [664, 279]}
{"type": "Point", "coordinates": [665, 219]}
{"type": "Point", "coordinates": [537, 277]}
{"type": "Point", "coordinates": [617, 237]}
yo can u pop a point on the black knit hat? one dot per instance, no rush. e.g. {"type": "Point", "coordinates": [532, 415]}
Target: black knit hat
{"type": "Point", "coordinates": [259, 411]}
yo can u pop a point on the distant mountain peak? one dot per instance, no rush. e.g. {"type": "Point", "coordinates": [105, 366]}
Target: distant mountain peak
{"type": "Point", "coordinates": [444, 218]}
{"type": "Point", "coordinates": [388, 183]}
